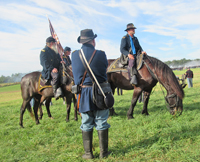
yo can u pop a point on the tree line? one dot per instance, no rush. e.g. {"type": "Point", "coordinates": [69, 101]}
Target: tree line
{"type": "Point", "coordinates": [11, 79]}
{"type": "Point", "coordinates": [182, 62]}
{"type": "Point", "coordinates": [174, 63]}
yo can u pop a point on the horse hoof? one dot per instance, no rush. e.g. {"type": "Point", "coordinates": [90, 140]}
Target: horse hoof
{"type": "Point", "coordinates": [67, 120]}
{"type": "Point", "coordinates": [21, 126]}
{"type": "Point", "coordinates": [51, 118]}
{"type": "Point", "coordinates": [76, 119]}
{"type": "Point", "coordinates": [37, 123]}
{"type": "Point", "coordinates": [130, 117]}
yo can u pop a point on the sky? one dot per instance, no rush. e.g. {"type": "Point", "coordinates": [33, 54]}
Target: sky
{"type": "Point", "coordinates": [166, 29]}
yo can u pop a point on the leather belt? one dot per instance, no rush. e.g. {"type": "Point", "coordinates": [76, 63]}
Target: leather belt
{"type": "Point", "coordinates": [85, 86]}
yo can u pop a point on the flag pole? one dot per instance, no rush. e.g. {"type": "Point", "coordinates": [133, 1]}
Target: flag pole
{"type": "Point", "coordinates": [58, 44]}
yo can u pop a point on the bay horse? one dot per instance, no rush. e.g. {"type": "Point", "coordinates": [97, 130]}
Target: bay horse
{"type": "Point", "coordinates": [152, 71]}
{"type": "Point", "coordinates": [29, 90]}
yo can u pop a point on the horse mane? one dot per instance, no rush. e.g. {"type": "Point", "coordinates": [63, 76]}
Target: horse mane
{"type": "Point", "coordinates": [167, 75]}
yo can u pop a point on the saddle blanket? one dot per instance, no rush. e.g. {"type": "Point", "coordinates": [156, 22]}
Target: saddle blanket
{"type": "Point", "coordinates": [116, 66]}
{"type": "Point", "coordinates": [42, 83]}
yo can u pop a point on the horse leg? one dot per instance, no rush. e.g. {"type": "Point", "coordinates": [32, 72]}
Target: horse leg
{"type": "Point", "coordinates": [75, 108]}
{"type": "Point", "coordinates": [42, 99]}
{"type": "Point", "coordinates": [146, 100]}
{"type": "Point", "coordinates": [136, 93]}
{"type": "Point", "coordinates": [68, 101]}
{"type": "Point", "coordinates": [22, 110]}
{"type": "Point", "coordinates": [112, 110]}
{"type": "Point", "coordinates": [47, 104]}
{"type": "Point", "coordinates": [41, 112]}
{"type": "Point", "coordinates": [35, 108]}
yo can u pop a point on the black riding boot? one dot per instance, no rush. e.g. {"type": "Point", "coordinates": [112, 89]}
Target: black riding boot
{"type": "Point", "coordinates": [87, 143]}
{"type": "Point", "coordinates": [103, 143]}
{"type": "Point", "coordinates": [133, 80]}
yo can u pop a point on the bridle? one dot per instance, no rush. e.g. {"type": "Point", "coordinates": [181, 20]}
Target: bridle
{"type": "Point", "coordinates": [176, 104]}
{"type": "Point", "coordinates": [65, 71]}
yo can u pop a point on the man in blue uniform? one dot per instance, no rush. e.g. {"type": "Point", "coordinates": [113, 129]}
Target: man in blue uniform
{"type": "Point", "coordinates": [50, 61]}
{"type": "Point", "coordinates": [66, 58]}
{"type": "Point", "coordinates": [130, 47]}
{"type": "Point", "coordinates": [91, 115]}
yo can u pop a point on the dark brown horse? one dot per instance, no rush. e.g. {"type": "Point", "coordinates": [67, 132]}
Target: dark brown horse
{"type": "Point", "coordinates": [29, 90]}
{"type": "Point", "coordinates": [152, 71]}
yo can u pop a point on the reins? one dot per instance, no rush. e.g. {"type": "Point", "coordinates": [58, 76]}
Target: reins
{"type": "Point", "coordinates": [64, 71]}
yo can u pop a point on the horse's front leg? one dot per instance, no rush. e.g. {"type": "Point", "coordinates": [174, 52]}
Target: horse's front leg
{"type": "Point", "coordinates": [75, 108]}
{"type": "Point", "coordinates": [35, 108]}
{"type": "Point", "coordinates": [41, 112]}
{"type": "Point", "coordinates": [146, 100]}
{"type": "Point", "coordinates": [136, 94]}
{"type": "Point", "coordinates": [47, 104]}
{"type": "Point", "coordinates": [68, 101]}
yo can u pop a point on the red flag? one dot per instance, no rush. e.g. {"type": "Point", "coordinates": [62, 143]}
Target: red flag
{"type": "Point", "coordinates": [54, 35]}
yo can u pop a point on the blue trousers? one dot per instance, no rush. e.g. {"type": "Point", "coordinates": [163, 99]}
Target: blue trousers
{"type": "Point", "coordinates": [189, 81]}
{"type": "Point", "coordinates": [96, 118]}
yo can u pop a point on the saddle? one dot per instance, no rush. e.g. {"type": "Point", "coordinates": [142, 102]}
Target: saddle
{"type": "Point", "coordinates": [116, 66]}
{"type": "Point", "coordinates": [42, 83]}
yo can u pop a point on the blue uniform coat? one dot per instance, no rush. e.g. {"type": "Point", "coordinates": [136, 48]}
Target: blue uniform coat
{"type": "Point", "coordinates": [67, 60]}
{"type": "Point", "coordinates": [98, 65]}
{"type": "Point", "coordinates": [125, 45]}
{"type": "Point", "coordinates": [49, 60]}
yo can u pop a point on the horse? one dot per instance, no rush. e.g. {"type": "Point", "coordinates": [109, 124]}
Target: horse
{"type": "Point", "coordinates": [151, 72]}
{"type": "Point", "coordinates": [30, 89]}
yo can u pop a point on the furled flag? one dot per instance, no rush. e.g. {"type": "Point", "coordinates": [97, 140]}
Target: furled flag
{"type": "Point", "coordinates": [54, 35]}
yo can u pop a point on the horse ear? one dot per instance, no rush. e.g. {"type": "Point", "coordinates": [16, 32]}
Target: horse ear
{"type": "Point", "coordinates": [183, 85]}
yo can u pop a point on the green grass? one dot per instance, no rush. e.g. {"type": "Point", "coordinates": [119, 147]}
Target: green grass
{"type": "Point", "coordinates": [158, 137]}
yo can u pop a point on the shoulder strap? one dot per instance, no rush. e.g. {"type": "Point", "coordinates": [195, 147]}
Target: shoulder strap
{"type": "Point", "coordinates": [86, 70]}
{"type": "Point", "coordinates": [84, 78]}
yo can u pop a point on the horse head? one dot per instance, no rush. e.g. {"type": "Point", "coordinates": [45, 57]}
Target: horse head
{"type": "Point", "coordinates": [174, 104]}
{"type": "Point", "coordinates": [66, 74]}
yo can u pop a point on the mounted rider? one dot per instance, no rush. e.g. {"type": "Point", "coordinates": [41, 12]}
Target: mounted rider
{"type": "Point", "coordinates": [50, 61]}
{"type": "Point", "coordinates": [130, 47]}
{"type": "Point", "coordinates": [66, 58]}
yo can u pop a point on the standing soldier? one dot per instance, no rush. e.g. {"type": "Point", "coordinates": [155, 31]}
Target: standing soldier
{"type": "Point", "coordinates": [131, 48]}
{"type": "Point", "coordinates": [92, 116]}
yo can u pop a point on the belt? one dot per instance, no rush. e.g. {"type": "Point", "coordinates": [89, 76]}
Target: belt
{"type": "Point", "coordinates": [85, 86]}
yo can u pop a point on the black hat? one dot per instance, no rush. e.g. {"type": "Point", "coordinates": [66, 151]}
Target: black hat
{"type": "Point", "coordinates": [50, 39]}
{"type": "Point", "coordinates": [86, 36]}
{"type": "Point", "coordinates": [130, 26]}
{"type": "Point", "coordinates": [67, 49]}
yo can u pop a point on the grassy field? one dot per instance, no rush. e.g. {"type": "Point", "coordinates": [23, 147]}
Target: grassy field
{"type": "Point", "coordinates": [158, 137]}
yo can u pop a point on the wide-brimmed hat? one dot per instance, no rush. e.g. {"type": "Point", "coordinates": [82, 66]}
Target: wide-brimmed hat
{"type": "Point", "coordinates": [130, 26]}
{"type": "Point", "coordinates": [67, 49]}
{"type": "Point", "coordinates": [86, 36]}
{"type": "Point", "coordinates": [50, 39]}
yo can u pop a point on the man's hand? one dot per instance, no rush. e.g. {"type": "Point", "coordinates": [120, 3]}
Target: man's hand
{"type": "Point", "coordinates": [62, 62]}
{"type": "Point", "coordinates": [143, 52]}
{"type": "Point", "coordinates": [54, 70]}
{"type": "Point", "coordinates": [130, 56]}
